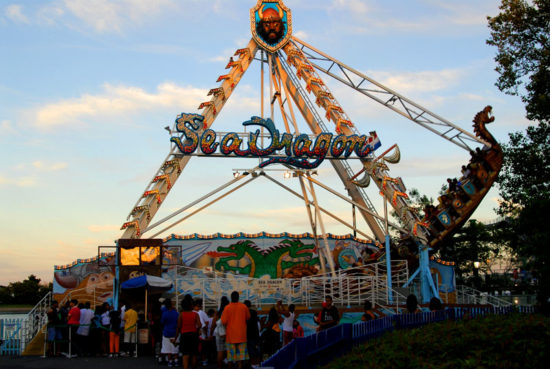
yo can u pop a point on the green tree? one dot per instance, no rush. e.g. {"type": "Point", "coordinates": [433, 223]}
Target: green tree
{"type": "Point", "coordinates": [472, 244]}
{"type": "Point", "coordinates": [27, 292]}
{"type": "Point", "coordinates": [5, 295]}
{"type": "Point", "coordinates": [521, 34]}
{"type": "Point", "coordinates": [525, 189]}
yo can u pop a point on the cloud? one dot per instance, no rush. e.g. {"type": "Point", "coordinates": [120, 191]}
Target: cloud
{"type": "Point", "coordinates": [48, 167]}
{"type": "Point", "coordinates": [111, 16]}
{"type": "Point", "coordinates": [116, 100]}
{"type": "Point", "coordinates": [97, 228]}
{"type": "Point", "coordinates": [18, 181]}
{"type": "Point", "coordinates": [467, 14]}
{"type": "Point", "coordinates": [364, 17]}
{"type": "Point", "coordinates": [6, 128]}
{"type": "Point", "coordinates": [302, 35]}
{"type": "Point", "coordinates": [430, 166]}
{"type": "Point", "coordinates": [423, 81]}
{"type": "Point", "coordinates": [353, 6]}
{"type": "Point", "coordinates": [123, 100]}
{"type": "Point", "coordinates": [14, 12]}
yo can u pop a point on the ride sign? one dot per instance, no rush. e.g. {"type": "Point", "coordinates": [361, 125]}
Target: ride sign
{"type": "Point", "coordinates": [297, 149]}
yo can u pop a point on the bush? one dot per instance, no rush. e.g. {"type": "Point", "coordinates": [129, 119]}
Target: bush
{"type": "Point", "coordinates": [513, 341]}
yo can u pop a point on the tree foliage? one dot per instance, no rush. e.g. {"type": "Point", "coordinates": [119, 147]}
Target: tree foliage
{"type": "Point", "coordinates": [521, 34]}
{"type": "Point", "coordinates": [525, 174]}
{"type": "Point", "coordinates": [525, 188]}
{"type": "Point", "coordinates": [474, 242]}
{"type": "Point", "coordinates": [27, 292]}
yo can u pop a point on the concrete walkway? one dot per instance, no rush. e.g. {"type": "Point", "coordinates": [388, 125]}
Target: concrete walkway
{"type": "Point", "coordinates": [83, 363]}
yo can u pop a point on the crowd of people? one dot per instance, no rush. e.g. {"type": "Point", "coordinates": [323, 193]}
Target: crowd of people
{"type": "Point", "coordinates": [233, 335]}
{"type": "Point", "coordinates": [76, 330]}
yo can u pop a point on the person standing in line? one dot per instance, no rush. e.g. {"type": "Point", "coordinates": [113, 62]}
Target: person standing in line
{"type": "Point", "coordinates": [188, 332]}
{"type": "Point", "coordinates": [253, 335]}
{"type": "Point", "coordinates": [114, 333]}
{"type": "Point", "coordinates": [105, 320]}
{"type": "Point", "coordinates": [73, 320]}
{"type": "Point", "coordinates": [210, 344]}
{"type": "Point", "coordinates": [130, 329]}
{"type": "Point", "coordinates": [54, 329]}
{"type": "Point", "coordinates": [234, 318]}
{"type": "Point", "coordinates": [330, 317]}
{"type": "Point", "coordinates": [83, 331]}
{"type": "Point", "coordinates": [169, 322]}
{"type": "Point", "coordinates": [197, 307]}
{"type": "Point", "coordinates": [218, 331]}
{"type": "Point", "coordinates": [288, 320]}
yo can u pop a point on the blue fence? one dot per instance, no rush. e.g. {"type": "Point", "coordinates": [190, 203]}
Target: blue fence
{"type": "Point", "coordinates": [11, 333]}
{"type": "Point", "coordinates": [324, 346]}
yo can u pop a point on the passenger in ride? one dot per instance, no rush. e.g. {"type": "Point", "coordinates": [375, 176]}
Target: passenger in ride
{"type": "Point", "coordinates": [270, 338]}
{"type": "Point", "coordinates": [288, 319]}
{"type": "Point", "coordinates": [451, 184]}
{"type": "Point", "coordinates": [297, 330]}
{"type": "Point", "coordinates": [435, 304]}
{"type": "Point", "coordinates": [466, 171]}
{"type": "Point", "coordinates": [447, 203]}
{"type": "Point", "coordinates": [368, 314]}
{"type": "Point", "coordinates": [412, 304]}
{"type": "Point", "coordinates": [330, 317]}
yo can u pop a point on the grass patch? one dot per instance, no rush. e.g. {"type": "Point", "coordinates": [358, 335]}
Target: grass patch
{"type": "Point", "coordinates": [20, 306]}
{"type": "Point", "coordinates": [512, 341]}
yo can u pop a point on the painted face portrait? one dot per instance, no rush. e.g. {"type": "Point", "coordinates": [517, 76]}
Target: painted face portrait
{"type": "Point", "coordinates": [271, 27]}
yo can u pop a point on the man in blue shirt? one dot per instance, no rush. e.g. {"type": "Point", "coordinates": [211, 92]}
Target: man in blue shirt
{"type": "Point", "coordinates": [169, 322]}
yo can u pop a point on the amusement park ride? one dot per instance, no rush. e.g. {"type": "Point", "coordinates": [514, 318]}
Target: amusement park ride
{"type": "Point", "coordinates": [294, 85]}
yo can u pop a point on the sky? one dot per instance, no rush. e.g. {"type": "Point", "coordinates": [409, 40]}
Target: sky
{"type": "Point", "coordinates": [87, 87]}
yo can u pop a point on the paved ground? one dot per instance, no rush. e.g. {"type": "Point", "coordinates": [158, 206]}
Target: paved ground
{"type": "Point", "coordinates": [83, 363]}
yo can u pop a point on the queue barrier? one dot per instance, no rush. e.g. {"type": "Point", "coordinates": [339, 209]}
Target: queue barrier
{"type": "Point", "coordinates": [322, 347]}
{"type": "Point", "coordinates": [139, 336]}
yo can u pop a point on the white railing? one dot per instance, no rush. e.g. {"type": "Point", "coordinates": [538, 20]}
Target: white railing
{"type": "Point", "coordinates": [468, 295]}
{"type": "Point", "coordinates": [350, 287]}
{"type": "Point", "coordinates": [35, 320]}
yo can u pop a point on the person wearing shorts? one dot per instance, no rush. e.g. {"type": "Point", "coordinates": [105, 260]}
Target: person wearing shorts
{"type": "Point", "coordinates": [169, 321]}
{"type": "Point", "coordinates": [130, 329]}
{"type": "Point", "coordinates": [234, 319]}
{"type": "Point", "coordinates": [54, 329]}
{"type": "Point", "coordinates": [188, 330]}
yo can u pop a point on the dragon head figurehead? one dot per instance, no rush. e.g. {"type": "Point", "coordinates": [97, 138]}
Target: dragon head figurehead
{"type": "Point", "coordinates": [481, 119]}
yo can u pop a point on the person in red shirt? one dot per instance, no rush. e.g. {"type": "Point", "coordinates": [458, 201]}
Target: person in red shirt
{"type": "Point", "coordinates": [73, 320]}
{"type": "Point", "coordinates": [297, 330]}
{"type": "Point", "coordinates": [188, 331]}
{"type": "Point", "coordinates": [234, 318]}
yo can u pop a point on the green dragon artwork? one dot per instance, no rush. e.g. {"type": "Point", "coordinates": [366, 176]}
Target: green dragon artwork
{"type": "Point", "coordinates": [275, 262]}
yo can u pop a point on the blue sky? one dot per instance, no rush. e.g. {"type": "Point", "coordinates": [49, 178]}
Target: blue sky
{"type": "Point", "coordinates": [87, 86]}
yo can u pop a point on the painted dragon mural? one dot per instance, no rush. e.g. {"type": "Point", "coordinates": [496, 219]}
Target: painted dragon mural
{"type": "Point", "coordinates": [290, 258]}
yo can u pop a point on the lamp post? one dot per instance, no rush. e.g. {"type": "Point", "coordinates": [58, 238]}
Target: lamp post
{"type": "Point", "coordinates": [476, 274]}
